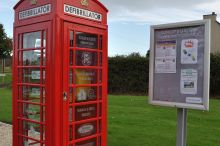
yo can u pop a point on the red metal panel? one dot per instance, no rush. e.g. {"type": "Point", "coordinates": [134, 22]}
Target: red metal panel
{"type": "Point", "coordinates": [100, 103]}
{"type": "Point", "coordinates": [19, 83]}
{"type": "Point", "coordinates": [90, 124]}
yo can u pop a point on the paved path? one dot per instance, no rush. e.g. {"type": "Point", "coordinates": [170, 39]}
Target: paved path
{"type": "Point", "coordinates": [5, 134]}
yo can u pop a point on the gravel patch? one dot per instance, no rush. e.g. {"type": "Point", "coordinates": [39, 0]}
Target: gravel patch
{"type": "Point", "coordinates": [5, 134]}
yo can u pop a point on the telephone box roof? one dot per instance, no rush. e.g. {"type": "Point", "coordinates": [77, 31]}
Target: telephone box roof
{"type": "Point", "coordinates": [96, 1]}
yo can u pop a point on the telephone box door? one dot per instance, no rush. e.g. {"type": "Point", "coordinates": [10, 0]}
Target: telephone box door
{"type": "Point", "coordinates": [30, 92]}
{"type": "Point", "coordinates": [84, 85]}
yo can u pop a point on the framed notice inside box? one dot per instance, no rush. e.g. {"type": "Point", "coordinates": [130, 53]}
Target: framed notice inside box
{"type": "Point", "coordinates": [180, 65]}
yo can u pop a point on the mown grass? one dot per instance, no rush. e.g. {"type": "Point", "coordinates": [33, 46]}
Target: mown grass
{"type": "Point", "coordinates": [133, 122]}
{"type": "Point", "coordinates": [7, 80]}
{"type": "Point", "coordinates": [5, 105]}
{"type": "Point", "coordinates": [8, 76]}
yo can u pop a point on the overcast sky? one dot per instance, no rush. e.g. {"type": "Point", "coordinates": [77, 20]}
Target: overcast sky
{"type": "Point", "coordinates": [129, 20]}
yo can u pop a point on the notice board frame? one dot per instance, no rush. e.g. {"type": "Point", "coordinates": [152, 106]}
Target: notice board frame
{"type": "Point", "coordinates": [206, 65]}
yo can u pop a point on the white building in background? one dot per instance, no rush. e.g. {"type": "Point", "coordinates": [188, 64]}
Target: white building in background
{"type": "Point", "coordinates": [215, 32]}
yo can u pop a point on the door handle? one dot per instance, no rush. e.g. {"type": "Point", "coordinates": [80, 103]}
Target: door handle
{"type": "Point", "coordinates": [64, 96]}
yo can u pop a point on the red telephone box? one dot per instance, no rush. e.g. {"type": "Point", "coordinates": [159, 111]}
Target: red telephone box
{"type": "Point", "coordinates": [60, 73]}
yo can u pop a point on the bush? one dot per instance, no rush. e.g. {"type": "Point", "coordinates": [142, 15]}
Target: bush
{"type": "Point", "coordinates": [215, 75]}
{"type": "Point", "coordinates": [129, 74]}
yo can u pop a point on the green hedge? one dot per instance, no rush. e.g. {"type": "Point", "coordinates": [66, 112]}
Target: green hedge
{"type": "Point", "coordinates": [129, 74]}
{"type": "Point", "coordinates": [215, 75]}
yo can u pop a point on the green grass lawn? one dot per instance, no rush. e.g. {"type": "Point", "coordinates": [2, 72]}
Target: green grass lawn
{"type": "Point", "coordinates": [5, 105]}
{"type": "Point", "coordinates": [7, 79]}
{"type": "Point", "coordinates": [133, 122]}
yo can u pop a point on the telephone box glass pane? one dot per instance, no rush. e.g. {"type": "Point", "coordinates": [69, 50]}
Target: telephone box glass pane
{"type": "Point", "coordinates": [31, 76]}
{"type": "Point", "coordinates": [19, 58]}
{"type": "Point", "coordinates": [100, 76]}
{"type": "Point", "coordinates": [44, 57]}
{"type": "Point", "coordinates": [20, 41]}
{"type": "Point", "coordinates": [100, 59]}
{"type": "Point", "coordinates": [83, 94]}
{"type": "Point", "coordinates": [31, 112]}
{"type": "Point", "coordinates": [85, 58]}
{"type": "Point", "coordinates": [71, 95]}
{"type": "Point", "coordinates": [86, 129]}
{"type": "Point", "coordinates": [32, 130]}
{"type": "Point", "coordinates": [86, 40]}
{"type": "Point", "coordinates": [71, 57]}
{"type": "Point", "coordinates": [44, 42]}
{"type": "Point", "coordinates": [100, 92]}
{"type": "Point", "coordinates": [85, 76]}
{"type": "Point", "coordinates": [70, 114]}
{"type": "Point", "coordinates": [100, 46]}
{"type": "Point", "coordinates": [31, 93]}
{"type": "Point", "coordinates": [32, 40]}
{"type": "Point", "coordinates": [71, 38]}
{"type": "Point", "coordinates": [85, 112]}
{"type": "Point", "coordinates": [71, 134]}
{"type": "Point", "coordinates": [71, 76]}
{"type": "Point", "coordinates": [32, 58]}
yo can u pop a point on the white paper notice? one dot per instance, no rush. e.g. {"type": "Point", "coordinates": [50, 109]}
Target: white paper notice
{"type": "Point", "coordinates": [188, 83]}
{"type": "Point", "coordinates": [196, 100]}
{"type": "Point", "coordinates": [35, 75]}
{"type": "Point", "coordinates": [37, 43]}
{"type": "Point", "coordinates": [165, 57]}
{"type": "Point", "coordinates": [189, 51]}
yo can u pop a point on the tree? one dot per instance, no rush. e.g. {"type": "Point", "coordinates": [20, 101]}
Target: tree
{"type": "Point", "coordinates": [134, 55]}
{"type": "Point", "coordinates": [148, 53]}
{"type": "Point", "coordinates": [5, 45]}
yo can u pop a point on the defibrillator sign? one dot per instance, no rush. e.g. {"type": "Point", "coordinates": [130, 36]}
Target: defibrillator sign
{"type": "Point", "coordinates": [35, 11]}
{"type": "Point", "coordinates": [82, 13]}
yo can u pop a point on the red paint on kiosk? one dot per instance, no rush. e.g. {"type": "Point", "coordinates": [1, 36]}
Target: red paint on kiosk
{"type": "Point", "coordinates": [60, 73]}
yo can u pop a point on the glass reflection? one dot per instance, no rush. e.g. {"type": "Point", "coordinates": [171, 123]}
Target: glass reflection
{"type": "Point", "coordinates": [33, 130]}
{"type": "Point", "coordinates": [32, 58]}
{"type": "Point", "coordinates": [44, 57]}
{"type": "Point", "coordinates": [31, 93]}
{"type": "Point", "coordinates": [44, 42]}
{"type": "Point", "coordinates": [31, 112]}
{"type": "Point", "coordinates": [71, 38]}
{"type": "Point", "coordinates": [32, 40]}
{"type": "Point", "coordinates": [31, 75]}
{"type": "Point", "coordinates": [85, 94]}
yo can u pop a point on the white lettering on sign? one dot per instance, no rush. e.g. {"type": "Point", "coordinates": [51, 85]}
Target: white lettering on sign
{"type": "Point", "coordinates": [35, 12]}
{"type": "Point", "coordinates": [82, 13]}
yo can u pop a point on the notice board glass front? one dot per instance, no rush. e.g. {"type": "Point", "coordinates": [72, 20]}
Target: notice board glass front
{"type": "Point", "coordinates": [179, 68]}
